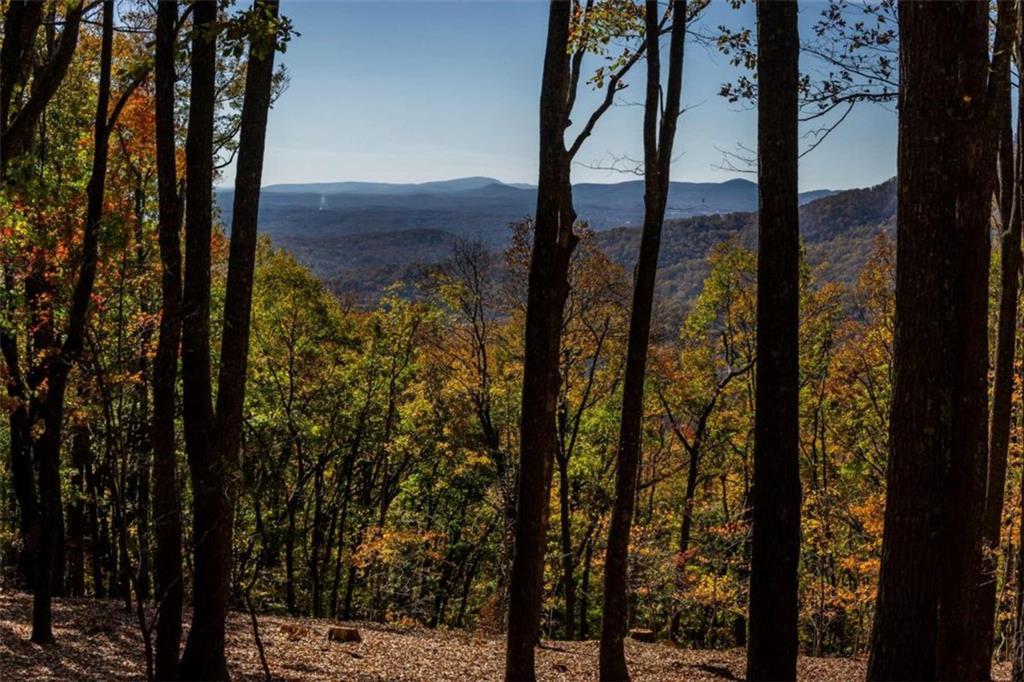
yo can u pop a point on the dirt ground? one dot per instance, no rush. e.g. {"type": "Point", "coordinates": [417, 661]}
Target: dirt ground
{"type": "Point", "coordinates": [98, 640]}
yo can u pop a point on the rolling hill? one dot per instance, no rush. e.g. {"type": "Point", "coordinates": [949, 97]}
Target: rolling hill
{"type": "Point", "coordinates": [361, 237]}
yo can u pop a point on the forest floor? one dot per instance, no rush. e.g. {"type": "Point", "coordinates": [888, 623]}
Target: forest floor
{"type": "Point", "coordinates": [98, 640]}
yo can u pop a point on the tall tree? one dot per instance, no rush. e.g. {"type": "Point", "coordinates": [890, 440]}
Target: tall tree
{"type": "Point", "coordinates": [166, 504]}
{"type": "Point", "coordinates": [554, 240]}
{"type": "Point", "coordinates": [938, 425]}
{"type": "Point", "coordinates": [57, 366]}
{"type": "Point", "coordinates": [659, 133]}
{"type": "Point", "coordinates": [772, 644]}
{"type": "Point", "coordinates": [213, 437]}
{"type": "Point", "coordinates": [17, 131]}
{"type": "Point", "coordinates": [1008, 201]}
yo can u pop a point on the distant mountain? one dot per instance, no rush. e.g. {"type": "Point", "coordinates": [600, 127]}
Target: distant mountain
{"type": "Point", "coordinates": [477, 208]}
{"type": "Point", "coordinates": [361, 241]}
{"type": "Point", "coordinates": [383, 188]}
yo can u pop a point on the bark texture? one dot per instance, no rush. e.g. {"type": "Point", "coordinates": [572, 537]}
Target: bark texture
{"type": "Point", "coordinates": [659, 135]}
{"type": "Point", "coordinates": [931, 549]}
{"type": "Point", "coordinates": [46, 448]}
{"type": "Point", "coordinates": [166, 502]}
{"type": "Point", "coordinates": [773, 611]}
{"type": "Point", "coordinates": [553, 242]}
{"type": "Point", "coordinates": [213, 437]}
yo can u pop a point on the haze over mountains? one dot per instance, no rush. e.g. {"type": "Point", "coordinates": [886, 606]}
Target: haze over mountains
{"type": "Point", "coordinates": [361, 236]}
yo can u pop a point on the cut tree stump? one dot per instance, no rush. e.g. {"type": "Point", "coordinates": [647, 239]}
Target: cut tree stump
{"type": "Point", "coordinates": [642, 635]}
{"type": "Point", "coordinates": [338, 633]}
{"type": "Point", "coordinates": [295, 631]}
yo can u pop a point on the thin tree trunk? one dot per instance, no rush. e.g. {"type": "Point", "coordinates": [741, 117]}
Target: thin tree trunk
{"type": "Point", "coordinates": [80, 453]}
{"type": "Point", "coordinates": [588, 557]}
{"type": "Point", "coordinates": [685, 529]}
{"type": "Point", "coordinates": [166, 502]}
{"type": "Point", "coordinates": [548, 287]}
{"type": "Point", "coordinates": [213, 438]}
{"type": "Point", "coordinates": [1006, 342]}
{"type": "Point", "coordinates": [568, 579]}
{"type": "Point", "coordinates": [17, 56]}
{"type": "Point", "coordinates": [657, 166]}
{"type": "Point", "coordinates": [47, 447]}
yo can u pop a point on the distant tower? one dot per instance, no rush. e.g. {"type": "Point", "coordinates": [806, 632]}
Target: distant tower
{"type": "Point", "coordinates": [323, 202]}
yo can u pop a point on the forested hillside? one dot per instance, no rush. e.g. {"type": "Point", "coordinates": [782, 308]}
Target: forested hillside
{"type": "Point", "coordinates": [838, 229]}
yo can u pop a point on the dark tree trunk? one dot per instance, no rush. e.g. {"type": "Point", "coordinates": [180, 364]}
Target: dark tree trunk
{"type": "Point", "coordinates": [21, 23]}
{"type": "Point", "coordinates": [548, 287]}
{"type": "Point", "coordinates": [568, 562]}
{"type": "Point", "coordinates": [97, 539]}
{"type": "Point", "coordinates": [772, 645]}
{"type": "Point", "coordinates": [47, 446]}
{"type": "Point", "coordinates": [1017, 645]}
{"type": "Point", "coordinates": [685, 530]}
{"type": "Point", "coordinates": [935, 491]}
{"type": "Point", "coordinates": [1006, 338]}
{"type": "Point", "coordinates": [657, 166]}
{"type": "Point", "coordinates": [289, 562]}
{"type": "Point", "coordinates": [80, 454]}
{"type": "Point", "coordinates": [203, 657]}
{"type": "Point", "coordinates": [166, 502]}
{"type": "Point", "coordinates": [213, 438]}
{"type": "Point", "coordinates": [316, 540]}
{"type": "Point", "coordinates": [588, 557]}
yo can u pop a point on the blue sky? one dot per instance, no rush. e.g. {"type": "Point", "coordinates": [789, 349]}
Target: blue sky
{"type": "Point", "coordinates": [416, 91]}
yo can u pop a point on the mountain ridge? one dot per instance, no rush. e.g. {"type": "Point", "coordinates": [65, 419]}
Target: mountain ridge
{"type": "Point", "coordinates": [359, 253]}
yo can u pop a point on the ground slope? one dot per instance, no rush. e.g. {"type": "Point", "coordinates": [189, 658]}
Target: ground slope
{"type": "Point", "coordinates": [99, 641]}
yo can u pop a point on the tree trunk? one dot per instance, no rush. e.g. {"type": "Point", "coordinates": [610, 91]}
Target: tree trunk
{"type": "Point", "coordinates": [588, 557]}
{"type": "Point", "coordinates": [657, 166]}
{"type": "Point", "coordinates": [47, 446]}
{"type": "Point", "coordinates": [772, 645]}
{"type": "Point", "coordinates": [80, 453]}
{"type": "Point", "coordinates": [1006, 340]}
{"type": "Point", "coordinates": [568, 579]}
{"type": "Point", "coordinates": [935, 494]}
{"type": "Point", "coordinates": [213, 439]}
{"type": "Point", "coordinates": [548, 287]}
{"type": "Point", "coordinates": [685, 529]}
{"type": "Point", "coordinates": [17, 56]}
{"type": "Point", "coordinates": [203, 657]}
{"type": "Point", "coordinates": [166, 502]}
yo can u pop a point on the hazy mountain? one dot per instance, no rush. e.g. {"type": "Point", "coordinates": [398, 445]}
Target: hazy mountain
{"type": "Point", "coordinates": [476, 208]}
{"type": "Point", "coordinates": [361, 242]}
{"type": "Point", "coordinates": [385, 188]}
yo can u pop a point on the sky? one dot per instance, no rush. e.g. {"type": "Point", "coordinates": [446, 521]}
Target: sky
{"type": "Point", "coordinates": [422, 90]}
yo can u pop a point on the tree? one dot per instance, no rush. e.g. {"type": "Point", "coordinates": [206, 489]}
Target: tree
{"type": "Point", "coordinates": [935, 492]}
{"type": "Point", "coordinates": [1008, 200]}
{"type": "Point", "coordinates": [166, 504]}
{"type": "Point", "coordinates": [772, 644]}
{"type": "Point", "coordinates": [554, 240]}
{"type": "Point", "coordinates": [657, 166]}
{"type": "Point", "coordinates": [46, 448]}
{"type": "Point", "coordinates": [213, 437]}
{"type": "Point", "coordinates": [17, 132]}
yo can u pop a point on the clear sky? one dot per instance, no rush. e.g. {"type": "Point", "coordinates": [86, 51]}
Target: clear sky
{"type": "Point", "coordinates": [422, 90]}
